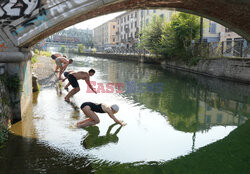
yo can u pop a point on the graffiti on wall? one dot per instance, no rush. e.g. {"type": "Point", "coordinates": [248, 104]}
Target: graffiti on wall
{"type": "Point", "coordinates": [37, 21]}
{"type": "Point", "coordinates": [14, 9]}
{"type": "Point", "coordinates": [2, 46]}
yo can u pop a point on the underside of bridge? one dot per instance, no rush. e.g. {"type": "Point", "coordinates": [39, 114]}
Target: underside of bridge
{"type": "Point", "coordinates": [26, 22]}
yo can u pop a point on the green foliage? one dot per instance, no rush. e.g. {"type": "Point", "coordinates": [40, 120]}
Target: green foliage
{"type": "Point", "coordinates": [173, 39]}
{"type": "Point", "coordinates": [36, 51]}
{"type": "Point", "coordinates": [151, 35]}
{"type": "Point", "coordinates": [194, 61]}
{"type": "Point", "coordinates": [94, 50]}
{"type": "Point", "coordinates": [63, 49]}
{"type": "Point", "coordinates": [34, 59]}
{"type": "Point", "coordinates": [80, 48]}
{"type": "Point", "coordinates": [3, 134]}
{"type": "Point", "coordinates": [45, 53]}
{"type": "Point", "coordinates": [178, 35]}
{"type": "Point", "coordinates": [12, 82]}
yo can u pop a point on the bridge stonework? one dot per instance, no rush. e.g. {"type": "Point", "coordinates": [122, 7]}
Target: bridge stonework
{"type": "Point", "coordinates": [26, 22]}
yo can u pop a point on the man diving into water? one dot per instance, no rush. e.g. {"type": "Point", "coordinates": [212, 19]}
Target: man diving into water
{"type": "Point", "coordinates": [73, 78]}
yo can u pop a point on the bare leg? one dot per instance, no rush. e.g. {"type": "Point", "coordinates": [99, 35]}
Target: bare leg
{"type": "Point", "coordinates": [67, 85]}
{"type": "Point", "coordinates": [60, 73]}
{"type": "Point", "coordinates": [84, 121]}
{"type": "Point", "coordinates": [71, 93]}
{"type": "Point", "coordinates": [57, 67]}
{"type": "Point", "coordinates": [91, 121]}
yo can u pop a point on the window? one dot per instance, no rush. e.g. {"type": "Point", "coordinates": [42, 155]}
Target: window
{"type": "Point", "coordinates": [121, 36]}
{"type": "Point", "coordinates": [113, 40]}
{"type": "Point", "coordinates": [124, 19]}
{"type": "Point", "coordinates": [124, 36]}
{"type": "Point", "coordinates": [154, 11]}
{"type": "Point", "coordinates": [131, 24]}
{"type": "Point", "coordinates": [135, 14]}
{"type": "Point", "coordinates": [147, 12]}
{"type": "Point", "coordinates": [212, 28]}
{"type": "Point", "coordinates": [113, 26]}
{"type": "Point", "coordinates": [135, 24]}
{"type": "Point", "coordinates": [121, 28]}
{"type": "Point", "coordinates": [142, 13]}
{"type": "Point", "coordinates": [128, 17]}
{"type": "Point", "coordinates": [208, 118]}
{"type": "Point", "coordinates": [132, 15]}
{"type": "Point", "coordinates": [219, 118]}
{"type": "Point", "coordinates": [208, 107]}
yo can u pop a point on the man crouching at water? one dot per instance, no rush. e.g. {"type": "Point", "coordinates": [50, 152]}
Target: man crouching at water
{"type": "Point", "coordinates": [62, 63]}
{"type": "Point", "coordinates": [89, 110]}
{"type": "Point", "coordinates": [80, 75]}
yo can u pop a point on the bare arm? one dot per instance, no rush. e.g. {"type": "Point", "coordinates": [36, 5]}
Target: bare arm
{"type": "Point", "coordinates": [115, 119]}
{"type": "Point", "coordinates": [90, 86]}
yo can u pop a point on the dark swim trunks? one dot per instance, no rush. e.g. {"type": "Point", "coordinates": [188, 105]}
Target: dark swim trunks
{"type": "Point", "coordinates": [94, 107]}
{"type": "Point", "coordinates": [73, 81]}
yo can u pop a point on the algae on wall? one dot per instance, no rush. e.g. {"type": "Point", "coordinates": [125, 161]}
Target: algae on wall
{"type": "Point", "coordinates": [5, 112]}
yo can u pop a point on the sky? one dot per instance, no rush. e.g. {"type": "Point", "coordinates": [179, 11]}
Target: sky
{"type": "Point", "coordinates": [95, 22]}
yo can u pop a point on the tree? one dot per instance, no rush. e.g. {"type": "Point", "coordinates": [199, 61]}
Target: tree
{"type": "Point", "coordinates": [177, 36]}
{"type": "Point", "coordinates": [63, 49]}
{"type": "Point", "coordinates": [80, 48]}
{"type": "Point", "coordinates": [151, 35]}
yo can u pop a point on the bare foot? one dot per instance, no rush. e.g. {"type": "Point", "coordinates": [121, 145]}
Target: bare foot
{"type": "Point", "coordinates": [67, 100]}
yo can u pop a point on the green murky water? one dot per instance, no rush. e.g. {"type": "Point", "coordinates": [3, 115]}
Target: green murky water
{"type": "Point", "coordinates": [168, 114]}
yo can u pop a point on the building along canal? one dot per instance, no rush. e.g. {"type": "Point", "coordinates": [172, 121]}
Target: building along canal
{"type": "Point", "coordinates": [168, 113]}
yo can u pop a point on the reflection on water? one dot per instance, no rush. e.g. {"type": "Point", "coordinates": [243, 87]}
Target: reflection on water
{"type": "Point", "coordinates": [189, 113]}
{"type": "Point", "coordinates": [93, 140]}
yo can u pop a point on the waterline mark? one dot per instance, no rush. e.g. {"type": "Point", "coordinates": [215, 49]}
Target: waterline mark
{"type": "Point", "coordinates": [128, 87]}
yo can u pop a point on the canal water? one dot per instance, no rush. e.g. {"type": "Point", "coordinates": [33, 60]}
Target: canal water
{"type": "Point", "coordinates": [168, 114]}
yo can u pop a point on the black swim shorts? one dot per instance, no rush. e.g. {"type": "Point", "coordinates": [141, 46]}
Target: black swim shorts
{"type": "Point", "coordinates": [73, 81]}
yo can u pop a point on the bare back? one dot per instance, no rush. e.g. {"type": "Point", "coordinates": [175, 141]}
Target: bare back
{"type": "Point", "coordinates": [81, 75]}
{"type": "Point", "coordinates": [63, 60]}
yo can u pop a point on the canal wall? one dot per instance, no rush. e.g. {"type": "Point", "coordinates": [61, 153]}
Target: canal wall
{"type": "Point", "coordinates": [127, 57]}
{"type": "Point", "coordinates": [17, 70]}
{"type": "Point", "coordinates": [5, 111]}
{"type": "Point", "coordinates": [235, 69]}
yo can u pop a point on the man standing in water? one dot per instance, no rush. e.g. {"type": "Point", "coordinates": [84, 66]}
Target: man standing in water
{"type": "Point", "coordinates": [62, 63]}
{"type": "Point", "coordinates": [73, 78]}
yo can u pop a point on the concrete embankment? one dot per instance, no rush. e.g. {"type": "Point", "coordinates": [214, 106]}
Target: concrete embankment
{"type": "Point", "coordinates": [44, 69]}
{"type": "Point", "coordinates": [126, 57]}
{"type": "Point", "coordinates": [235, 69]}
{"type": "Point", "coordinates": [224, 68]}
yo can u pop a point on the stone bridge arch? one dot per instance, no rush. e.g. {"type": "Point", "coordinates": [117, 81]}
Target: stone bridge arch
{"type": "Point", "coordinates": [25, 22]}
